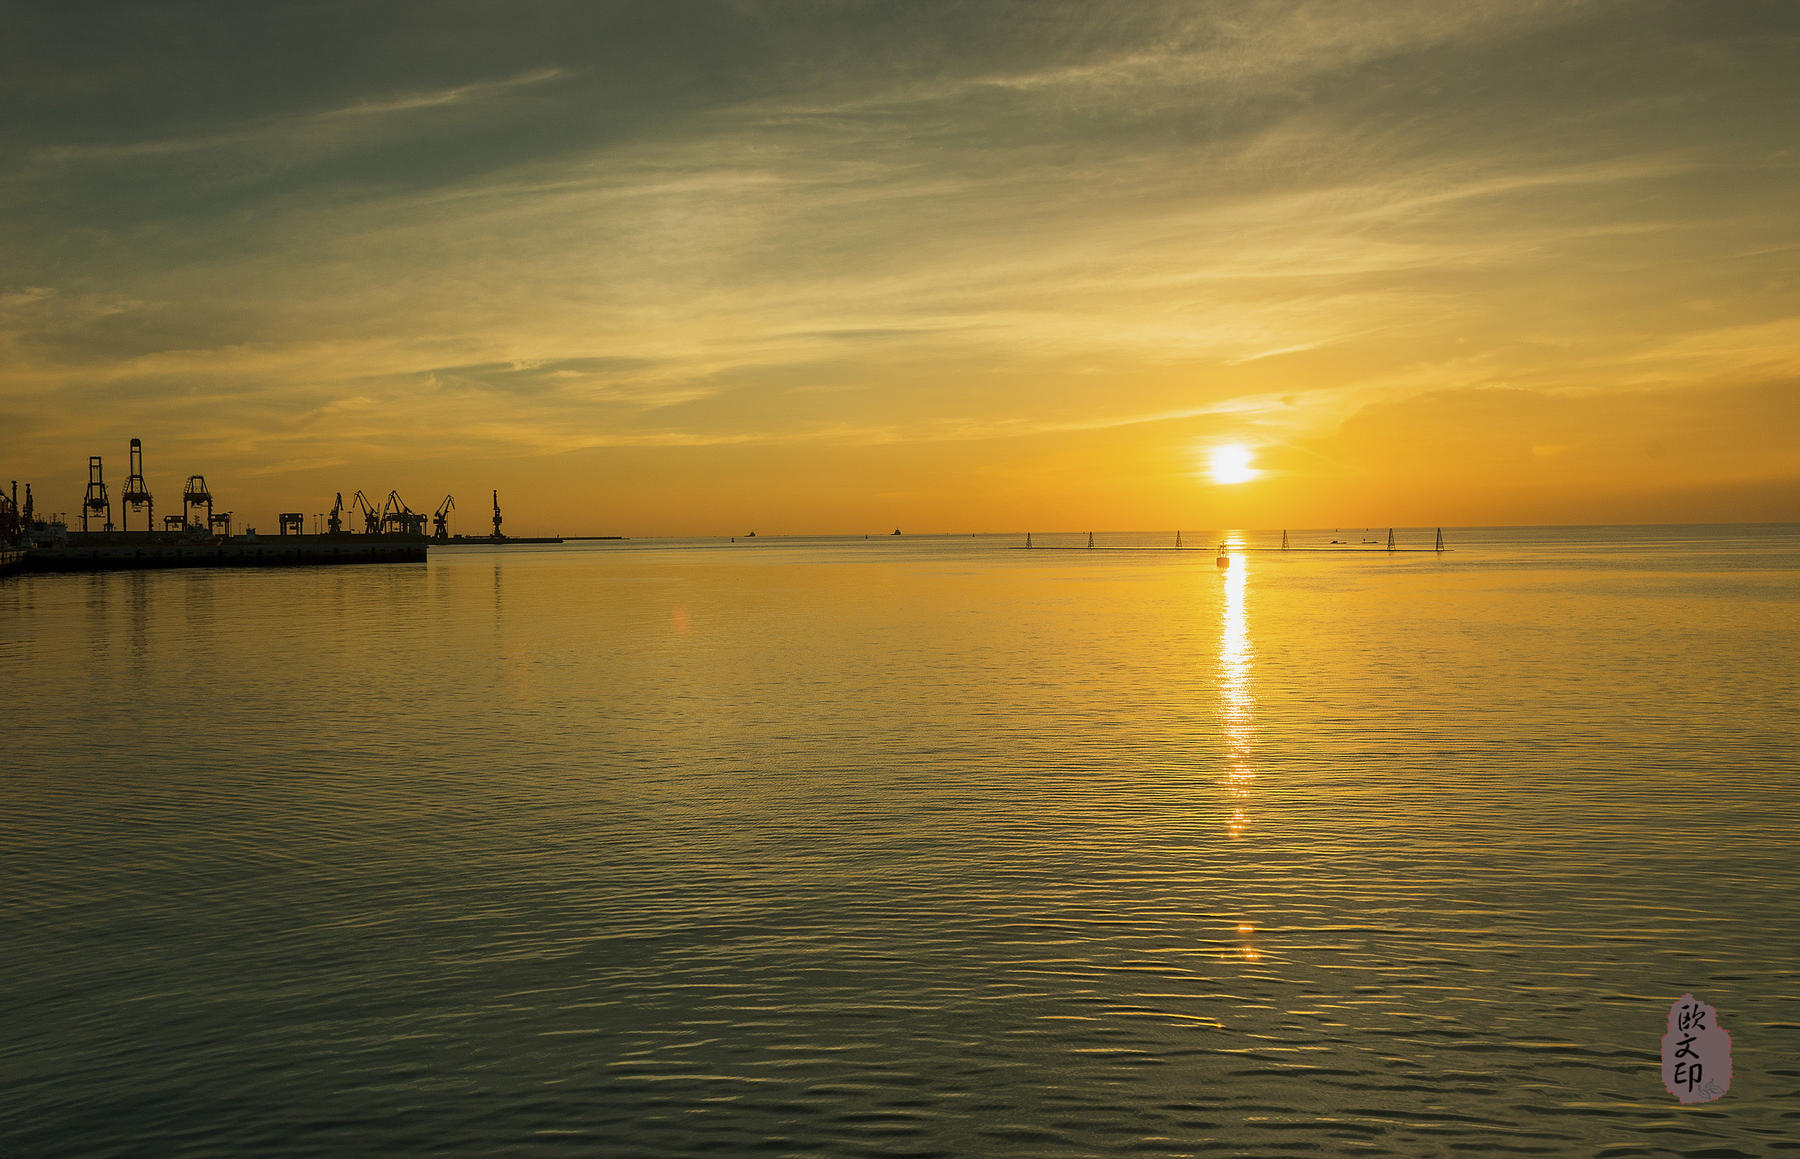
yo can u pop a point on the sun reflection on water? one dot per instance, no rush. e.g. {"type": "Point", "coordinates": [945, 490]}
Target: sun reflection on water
{"type": "Point", "coordinates": [1237, 707]}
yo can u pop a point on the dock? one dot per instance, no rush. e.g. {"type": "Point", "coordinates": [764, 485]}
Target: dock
{"type": "Point", "coordinates": [199, 536]}
{"type": "Point", "coordinates": [124, 550]}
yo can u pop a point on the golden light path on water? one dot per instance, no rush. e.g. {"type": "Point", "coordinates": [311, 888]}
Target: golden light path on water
{"type": "Point", "coordinates": [1237, 705]}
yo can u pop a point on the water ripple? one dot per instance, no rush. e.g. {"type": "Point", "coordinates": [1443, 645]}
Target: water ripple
{"type": "Point", "coordinates": [940, 849]}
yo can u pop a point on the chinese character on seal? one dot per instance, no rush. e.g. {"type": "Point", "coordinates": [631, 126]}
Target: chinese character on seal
{"type": "Point", "coordinates": [1696, 1052]}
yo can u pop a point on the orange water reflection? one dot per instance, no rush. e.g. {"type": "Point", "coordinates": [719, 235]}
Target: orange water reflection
{"type": "Point", "coordinates": [1237, 705]}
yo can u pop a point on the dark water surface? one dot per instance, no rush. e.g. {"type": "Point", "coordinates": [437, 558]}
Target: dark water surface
{"type": "Point", "coordinates": [905, 847]}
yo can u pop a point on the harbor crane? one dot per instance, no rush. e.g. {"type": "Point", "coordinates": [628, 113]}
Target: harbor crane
{"type": "Point", "coordinates": [195, 495]}
{"type": "Point", "coordinates": [335, 522]}
{"type": "Point", "coordinates": [137, 492]}
{"type": "Point", "coordinates": [398, 518]}
{"type": "Point", "coordinates": [440, 522]}
{"type": "Point", "coordinates": [96, 501]}
{"type": "Point", "coordinates": [497, 533]}
{"type": "Point", "coordinates": [371, 517]}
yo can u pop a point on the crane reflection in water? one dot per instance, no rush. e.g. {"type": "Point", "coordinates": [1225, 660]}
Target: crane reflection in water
{"type": "Point", "coordinates": [1237, 705]}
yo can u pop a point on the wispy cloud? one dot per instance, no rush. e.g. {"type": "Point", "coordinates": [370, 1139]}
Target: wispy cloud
{"type": "Point", "coordinates": [308, 130]}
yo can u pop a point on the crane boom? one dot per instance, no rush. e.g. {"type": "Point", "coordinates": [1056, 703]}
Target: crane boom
{"type": "Point", "coordinates": [371, 517]}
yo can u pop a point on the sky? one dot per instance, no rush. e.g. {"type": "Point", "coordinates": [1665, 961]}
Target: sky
{"type": "Point", "coordinates": [672, 268]}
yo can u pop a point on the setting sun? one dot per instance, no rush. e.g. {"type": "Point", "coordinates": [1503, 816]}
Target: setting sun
{"type": "Point", "coordinates": [1231, 464]}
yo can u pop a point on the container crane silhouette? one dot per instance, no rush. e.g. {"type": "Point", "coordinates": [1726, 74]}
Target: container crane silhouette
{"type": "Point", "coordinates": [196, 494]}
{"type": "Point", "coordinates": [440, 522]}
{"type": "Point", "coordinates": [137, 492]}
{"type": "Point", "coordinates": [96, 501]}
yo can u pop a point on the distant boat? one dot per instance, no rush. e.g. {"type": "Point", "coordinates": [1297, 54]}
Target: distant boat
{"type": "Point", "coordinates": [752, 535]}
{"type": "Point", "coordinates": [896, 531]}
{"type": "Point", "coordinates": [1224, 559]}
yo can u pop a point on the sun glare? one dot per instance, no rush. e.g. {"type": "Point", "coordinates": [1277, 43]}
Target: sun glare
{"type": "Point", "coordinates": [1231, 464]}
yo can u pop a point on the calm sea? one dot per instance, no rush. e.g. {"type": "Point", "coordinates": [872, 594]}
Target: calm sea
{"type": "Point", "coordinates": [916, 846]}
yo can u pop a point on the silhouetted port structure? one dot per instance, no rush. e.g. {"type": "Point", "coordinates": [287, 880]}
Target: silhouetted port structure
{"type": "Point", "coordinates": [14, 519]}
{"type": "Point", "coordinates": [195, 494]}
{"type": "Point", "coordinates": [137, 492]}
{"type": "Point", "coordinates": [96, 502]}
{"type": "Point", "coordinates": [371, 517]}
{"type": "Point", "coordinates": [202, 537]}
{"type": "Point", "coordinates": [441, 529]}
{"type": "Point", "coordinates": [399, 519]}
{"type": "Point", "coordinates": [12, 516]}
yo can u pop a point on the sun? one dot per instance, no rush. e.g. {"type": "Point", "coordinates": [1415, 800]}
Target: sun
{"type": "Point", "coordinates": [1231, 464]}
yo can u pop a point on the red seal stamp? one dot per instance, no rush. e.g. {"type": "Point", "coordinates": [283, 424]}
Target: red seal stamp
{"type": "Point", "coordinates": [1696, 1052]}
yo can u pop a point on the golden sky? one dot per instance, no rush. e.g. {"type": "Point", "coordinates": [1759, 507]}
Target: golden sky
{"type": "Point", "coordinates": [673, 268]}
